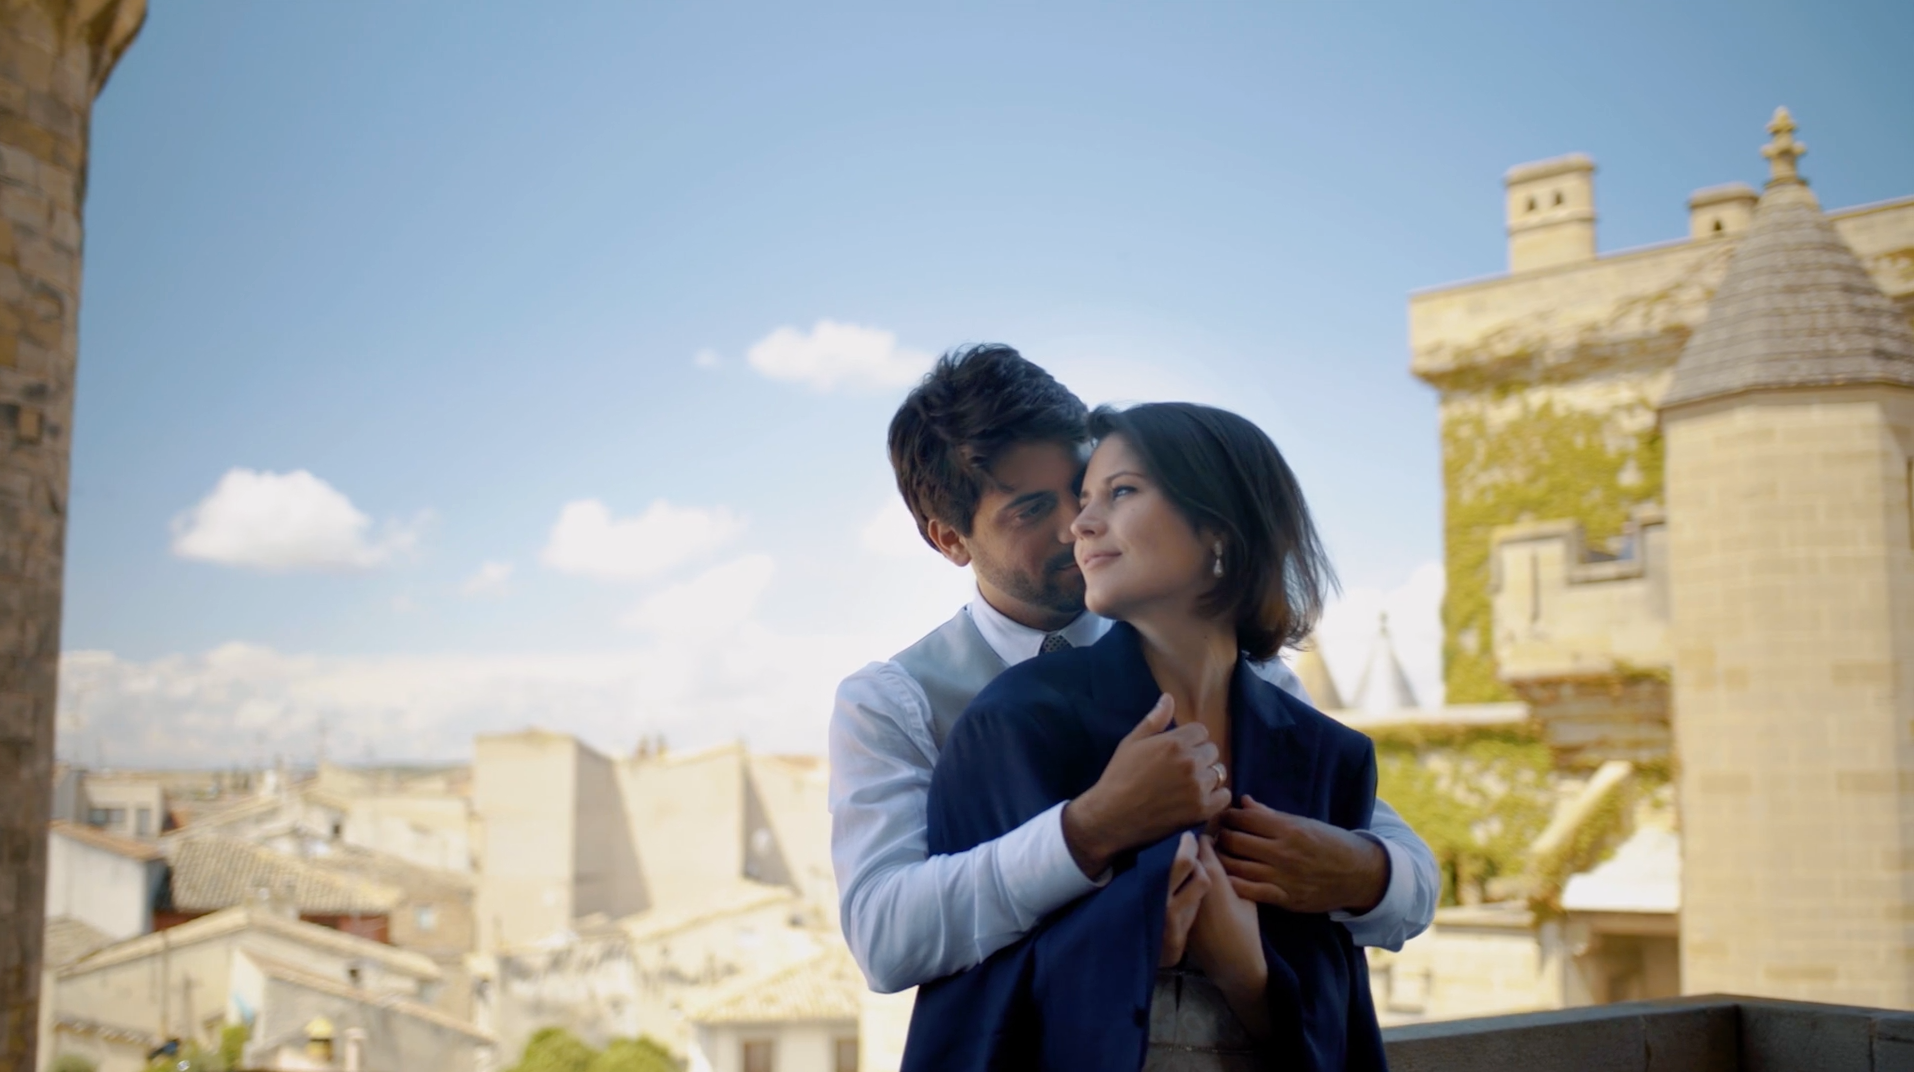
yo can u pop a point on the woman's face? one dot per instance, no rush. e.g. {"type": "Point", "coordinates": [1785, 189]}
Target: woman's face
{"type": "Point", "coordinates": [1136, 551]}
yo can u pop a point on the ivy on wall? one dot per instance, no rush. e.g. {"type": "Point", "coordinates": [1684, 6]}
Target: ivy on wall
{"type": "Point", "coordinates": [1477, 795]}
{"type": "Point", "coordinates": [1545, 462]}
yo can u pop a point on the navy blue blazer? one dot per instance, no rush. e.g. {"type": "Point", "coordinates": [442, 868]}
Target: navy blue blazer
{"type": "Point", "coordinates": [1075, 992]}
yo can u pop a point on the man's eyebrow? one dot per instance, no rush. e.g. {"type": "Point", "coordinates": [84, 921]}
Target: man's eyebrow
{"type": "Point", "coordinates": [1027, 498]}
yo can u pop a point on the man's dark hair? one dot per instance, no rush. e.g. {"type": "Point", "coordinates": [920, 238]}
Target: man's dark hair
{"type": "Point", "coordinates": [974, 404]}
{"type": "Point", "coordinates": [1224, 475]}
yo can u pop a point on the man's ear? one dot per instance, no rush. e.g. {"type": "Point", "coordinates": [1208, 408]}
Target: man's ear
{"type": "Point", "coordinates": [949, 542]}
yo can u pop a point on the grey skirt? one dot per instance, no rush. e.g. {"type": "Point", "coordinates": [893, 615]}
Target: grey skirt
{"type": "Point", "coordinates": [1192, 1028]}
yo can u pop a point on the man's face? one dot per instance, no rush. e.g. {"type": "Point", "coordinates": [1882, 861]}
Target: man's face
{"type": "Point", "coordinates": [1020, 540]}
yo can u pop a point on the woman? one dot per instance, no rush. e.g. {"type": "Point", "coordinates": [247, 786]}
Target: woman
{"type": "Point", "coordinates": [1194, 537]}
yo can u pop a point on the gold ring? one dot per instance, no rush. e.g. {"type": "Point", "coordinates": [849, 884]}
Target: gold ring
{"type": "Point", "coordinates": [1222, 775]}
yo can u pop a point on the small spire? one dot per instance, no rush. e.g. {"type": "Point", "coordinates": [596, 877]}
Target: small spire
{"type": "Point", "coordinates": [1783, 152]}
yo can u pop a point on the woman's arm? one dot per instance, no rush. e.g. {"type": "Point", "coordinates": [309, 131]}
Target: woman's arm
{"type": "Point", "coordinates": [1227, 943]}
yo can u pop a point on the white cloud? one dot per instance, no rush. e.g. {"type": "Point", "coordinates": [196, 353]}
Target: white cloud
{"type": "Point", "coordinates": [1348, 632]}
{"type": "Point", "coordinates": [243, 703]}
{"type": "Point", "coordinates": [892, 532]}
{"type": "Point", "coordinates": [490, 579]}
{"type": "Point", "coordinates": [587, 541]}
{"type": "Point", "coordinates": [833, 355]}
{"type": "Point", "coordinates": [702, 667]}
{"type": "Point", "coordinates": [713, 601]}
{"type": "Point", "coordinates": [707, 359]}
{"type": "Point", "coordinates": [280, 522]}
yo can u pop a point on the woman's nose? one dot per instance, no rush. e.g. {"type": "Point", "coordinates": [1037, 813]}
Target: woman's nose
{"type": "Point", "coordinates": [1086, 522]}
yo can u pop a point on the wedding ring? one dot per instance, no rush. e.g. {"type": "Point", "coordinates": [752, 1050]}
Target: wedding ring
{"type": "Point", "coordinates": [1222, 774]}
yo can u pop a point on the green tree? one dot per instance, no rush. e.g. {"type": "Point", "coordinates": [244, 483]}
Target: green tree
{"type": "Point", "coordinates": [232, 1046]}
{"type": "Point", "coordinates": [554, 1049]}
{"type": "Point", "coordinates": [642, 1054]}
{"type": "Point", "coordinates": [72, 1062]}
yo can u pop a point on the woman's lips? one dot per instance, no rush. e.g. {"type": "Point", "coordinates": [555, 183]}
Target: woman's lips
{"type": "Point", "coordinates": [1097, 558]}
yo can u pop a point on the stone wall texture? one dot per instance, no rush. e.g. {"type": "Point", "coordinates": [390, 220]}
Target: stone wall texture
{"type": "Point", "coordinates": [1550, 380]}
{"type": "Point", "coordinates": [1792, 557]}
{"type": "Point", "coordinates": [55, 56]}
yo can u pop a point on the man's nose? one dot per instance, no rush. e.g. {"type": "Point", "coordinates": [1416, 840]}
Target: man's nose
{"type": "Point", "coordinates": [1069, 515]}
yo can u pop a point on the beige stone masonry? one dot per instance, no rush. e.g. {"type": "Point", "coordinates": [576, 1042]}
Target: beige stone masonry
{"type": "Point", "coordinates": [1793, 607]}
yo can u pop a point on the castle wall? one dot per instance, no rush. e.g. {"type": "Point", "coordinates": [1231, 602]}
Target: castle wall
{"type": "Point", "coordinates": [1549, 383]}
{"type": "Point", "coordinates": [1792, 557]}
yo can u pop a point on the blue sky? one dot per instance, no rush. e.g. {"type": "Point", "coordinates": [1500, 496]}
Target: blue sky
{"type": "Point", "coordinates": [466, 267]}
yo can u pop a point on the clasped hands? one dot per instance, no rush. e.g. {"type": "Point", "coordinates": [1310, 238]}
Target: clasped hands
{"type": "Point", "coordinates": [1163, 780]}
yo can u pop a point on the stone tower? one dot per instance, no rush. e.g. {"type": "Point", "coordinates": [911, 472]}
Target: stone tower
{"type": "Point", "coordinates": [54, 58]}
{"type": "Point", "coordinates": [1551, 212]}
{"type": "Point", "coordinates": [1789, 429]}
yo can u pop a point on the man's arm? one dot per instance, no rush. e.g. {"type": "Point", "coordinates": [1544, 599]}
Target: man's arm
{"type": "Point", "coordinates": [909, 917]}
{"type": "Point", "coordinates": [1408, 905]}
{"type": "Point", "coordinates": [1413, 885]}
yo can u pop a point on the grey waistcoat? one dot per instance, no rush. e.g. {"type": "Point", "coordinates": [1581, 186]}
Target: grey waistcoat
{"type": "Point", "coordinates": [952, 665]}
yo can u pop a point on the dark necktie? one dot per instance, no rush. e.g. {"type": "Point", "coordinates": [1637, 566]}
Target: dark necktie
{"type": "Point", "coordinates": [1053, 642]}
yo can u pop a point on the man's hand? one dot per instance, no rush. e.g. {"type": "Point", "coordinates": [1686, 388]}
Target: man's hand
{"type": "Point", "coordinates": [1300, 864]}
{"type": "Point", "coordinates": [1188, 884]}
{"type": "Point", "coordinates": [1156, 784]}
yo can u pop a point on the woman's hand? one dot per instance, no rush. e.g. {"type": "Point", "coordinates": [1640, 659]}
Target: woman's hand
{"type": "Point", "coordinates": [1227, 944]}
{"type": "Point", "coordinates": [1189, 882]}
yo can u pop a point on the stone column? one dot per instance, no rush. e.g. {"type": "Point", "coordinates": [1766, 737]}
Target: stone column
{"type": "Point", "coordinates": [54, 57]}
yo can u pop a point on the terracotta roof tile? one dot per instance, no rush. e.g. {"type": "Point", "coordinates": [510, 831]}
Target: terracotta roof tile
{"type": "Point", "coordinates": [824, 988]}
{"type": "Point", "coordinates": [211, 873]}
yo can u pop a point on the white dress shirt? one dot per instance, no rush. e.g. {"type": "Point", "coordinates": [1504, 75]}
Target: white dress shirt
{"type": "Point", "coordinates": [910, 917]}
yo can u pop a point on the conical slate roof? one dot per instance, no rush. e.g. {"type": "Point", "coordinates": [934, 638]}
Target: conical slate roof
{"type": "Point", "coordinates": [1384, 687]}
{"type": "Point", "coordinates": [1314, 674]}
{"type": "Point", "coordinates": [1796, 309]}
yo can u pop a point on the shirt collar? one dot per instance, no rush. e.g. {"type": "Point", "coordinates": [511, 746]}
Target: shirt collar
{"type": "Point", "coordinates": [1014, 642]}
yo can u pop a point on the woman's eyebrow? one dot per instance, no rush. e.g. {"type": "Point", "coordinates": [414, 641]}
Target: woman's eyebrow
{"type": "Point", "coordinates": [1122, 472]}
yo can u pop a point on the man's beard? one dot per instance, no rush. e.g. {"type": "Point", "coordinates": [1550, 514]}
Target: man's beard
{"type": "Point", "coordinates": [1058, 588]}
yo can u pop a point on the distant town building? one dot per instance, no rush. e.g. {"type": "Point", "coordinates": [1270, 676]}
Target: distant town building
{"type": "Point", "coordinates": [256, 967]}
{"type": "Point", "coordinates": [802, 1019]}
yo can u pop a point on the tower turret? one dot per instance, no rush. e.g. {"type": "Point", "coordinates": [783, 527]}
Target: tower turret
{"type": "Point", "coordinates": [1551, 212]}
{"type": "Point", "coordinates": [1788, 433]}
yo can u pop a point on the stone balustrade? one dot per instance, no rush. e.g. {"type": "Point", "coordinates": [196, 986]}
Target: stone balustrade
{"type": "Point", "coordinates": [1713, 1033]}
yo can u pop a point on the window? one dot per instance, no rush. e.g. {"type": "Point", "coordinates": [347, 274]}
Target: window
{"type": "Point", "coordinates": [1558, 197]}
{"type": "Point", "coordinates": [1717, 226]}
{"type": "Point", "coordinates": [1531, 204]}
{"type": "Point", "coordinates": [96, 816]}
{"type": "Point", "coordinates": [757, 1055]}
{"type": "Point", "coordinates": [143, 823]}
{"type": "Point", "coordinates": [427, 917]}
{"type": "Point", "coordinates": [846, 1055]}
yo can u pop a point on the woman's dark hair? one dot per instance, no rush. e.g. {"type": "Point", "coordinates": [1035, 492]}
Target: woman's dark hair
{"type": "Point", "coordinates": [1225, 476]}
{"type": "Point", "coordinates": [973, 405]}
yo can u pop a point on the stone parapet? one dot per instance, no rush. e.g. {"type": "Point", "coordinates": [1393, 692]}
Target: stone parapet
{"type": "Point", "coordinates": [1714, 1033]}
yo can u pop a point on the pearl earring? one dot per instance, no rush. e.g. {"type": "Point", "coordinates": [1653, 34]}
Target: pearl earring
{"type": "Point", "coordinates": [1217, 569]}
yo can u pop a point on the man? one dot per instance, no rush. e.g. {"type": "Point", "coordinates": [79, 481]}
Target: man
{"type": "Point", "coordinates": [988, 452]}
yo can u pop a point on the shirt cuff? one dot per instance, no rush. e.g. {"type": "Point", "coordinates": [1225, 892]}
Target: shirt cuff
{"type": "Point", "coordinates": [1396, 897]}
{"type": "Point", "coordinates": [1037, 869]}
